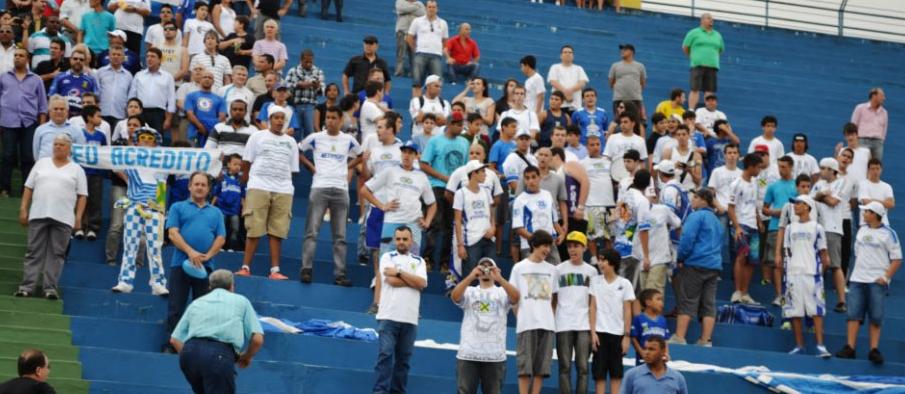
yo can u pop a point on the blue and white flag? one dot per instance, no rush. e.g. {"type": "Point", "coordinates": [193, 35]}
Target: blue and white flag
{"type": "Point", "coordinates": [162, 159]}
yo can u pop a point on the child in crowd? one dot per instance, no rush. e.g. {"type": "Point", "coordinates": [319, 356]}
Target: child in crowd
{"type": "Point", "coordinates": [92, 218]}
{"type": "Point", "coordinates": [610, 318]}
{"type": "Point", "coordinates": [537, 284]}
{"type": "Point", "coordinates": [229, 195]}
{"type": "Point", "coordinates": [573, 143]}
{"type": "Point", "coordinates": [805, 260]}
{"type": "Point", "coordinates": [472, 132]}
{"type": "Point", "coordinates": [505, 145]}
{"type": "Point", "coordinates": [649, 323]}
{"type": "Point", "coordinates": [428, 124]}
{"type": "Point", "coordinates": [572, 328]}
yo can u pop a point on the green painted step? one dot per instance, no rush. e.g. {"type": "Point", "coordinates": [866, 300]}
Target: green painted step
{"type": "Point", "coordinates": [54, 352]}
{"type": "Point", "coordinates": [31, 304]}
{"type": "Point", "coordinates": [61, 385]}
{"type": "Point", "coordinates": [7, 262]}
{"type": "Point", "coordinates": [31, 319]}
{"type": "Point", "coordinates": [8, 288]}
{"type": "Point", "coordinates": [58, 368]}
{"type": "Point", "coordinates": [13, 237]}
{"type": "Point", "coordinates": [9, 274]}
{"type": "Point", "coordinates": [17, 333]}
{"type": "Point", "coordinates": [12, 249]}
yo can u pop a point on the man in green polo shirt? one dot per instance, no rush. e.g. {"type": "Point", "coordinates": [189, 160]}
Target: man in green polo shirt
{"type": "Point", "coordinates": [703, 46]}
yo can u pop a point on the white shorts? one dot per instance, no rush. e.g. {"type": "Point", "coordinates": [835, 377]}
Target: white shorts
{"type": "Point", "coordinates": [804, 296]}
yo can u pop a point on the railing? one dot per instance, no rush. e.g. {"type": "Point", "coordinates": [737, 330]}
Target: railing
{"type": "Point", "coordinates": [870, 19]}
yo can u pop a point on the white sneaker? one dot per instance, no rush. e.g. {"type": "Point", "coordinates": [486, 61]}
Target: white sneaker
{"type": "Point", "coordinates": [676, 341]}
{"type": "Point", "coordinates": [746, 299]}
{"type": "Point", "coordinates": [736, 297]}
{"type": "Point", "coordinates": [159, 290]}
{"type": "Point", "coordinates": [79, 234]}
{"type": "Point", "coordinates": [777, 301]}
{"type": "Point", "coordinates": [122, 287]}
{"type": "Point", "coordinates": [823, 353]}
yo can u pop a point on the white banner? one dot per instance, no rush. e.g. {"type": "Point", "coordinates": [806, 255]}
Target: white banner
{"type": "Point", "coordinates": [163, 159]}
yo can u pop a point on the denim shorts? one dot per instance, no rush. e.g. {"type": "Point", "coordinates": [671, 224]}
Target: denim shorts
{"type": "Point", "coordinates": [866, 299]}
{"type": "Point", "coordinates": [749, 245]}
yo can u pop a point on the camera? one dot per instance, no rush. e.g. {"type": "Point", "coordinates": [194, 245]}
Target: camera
{"type": "Point", "coordinates": [486, 270]}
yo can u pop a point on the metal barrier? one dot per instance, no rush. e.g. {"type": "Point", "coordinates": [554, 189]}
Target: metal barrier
{"type": "Point", "coordinates": [870, 19]}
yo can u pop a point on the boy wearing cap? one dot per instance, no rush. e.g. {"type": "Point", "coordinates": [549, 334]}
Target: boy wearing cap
{"type": "Point", "coordinates": [610, 319]}
{"type": "Point", "coordinates": [804, 162]}
{"type": "Point", "coordinates": [827, 193]}
{"type": "Point", "coordinates": [805, 260]}
{"type": "Point", "coordinates": [572, 328]}
{"type": "Point", "coordinates": [269, 160]}
{"type": "Point", "coordinates": [537, 285]}
{"type": "Point", "coordinates": [481, 358]}
{"type": "Point", "coordinates": [474, 221]}
{"type": "Point", "coordinates": [280, 100]}
{"type": "Point", "coordinates": [144, 216]}
{"type": "Point", "coordinates": [878, 255]}
{"type": "Point", "coordinates": [518, 160]}
{"type": "Point", "coordinates": [743, 214]}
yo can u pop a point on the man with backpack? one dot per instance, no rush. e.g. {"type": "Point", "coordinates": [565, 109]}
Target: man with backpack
{"type": "Point", "coordinates": [429, 103]}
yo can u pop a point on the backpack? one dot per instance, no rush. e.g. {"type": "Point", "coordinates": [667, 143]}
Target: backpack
{"type": "Point", "coordinates": [421, 105]}
{"type": "Point", "coordinates": [682, 210]}
{"type": "Point", "coordinates": [752, 315]}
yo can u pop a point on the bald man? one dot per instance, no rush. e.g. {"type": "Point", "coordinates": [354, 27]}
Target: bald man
{"type": "Point", "coordinates": [703, 46]}
{"type": "Point", "coordinates": [462, 55]}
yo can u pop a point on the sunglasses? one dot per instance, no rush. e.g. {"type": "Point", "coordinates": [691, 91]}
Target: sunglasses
{"type": "Point", "coordinates": [169, 28]}
{"type": "Point", "coordinates": [146, 138]}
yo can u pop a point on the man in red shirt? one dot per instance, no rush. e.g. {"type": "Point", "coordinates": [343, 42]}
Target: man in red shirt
{"type": "Point", "coordinates": [462, 55]}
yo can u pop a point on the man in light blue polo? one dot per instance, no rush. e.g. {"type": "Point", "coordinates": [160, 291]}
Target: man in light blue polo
{"type": "Point", "coordinates": [217, 327]}
{"type": "Point", "coordinates": [653, 377]}
{"type": "Point", "coordinates": [42, 144]}
{"type": "Point", "coordinates": [198, 231]}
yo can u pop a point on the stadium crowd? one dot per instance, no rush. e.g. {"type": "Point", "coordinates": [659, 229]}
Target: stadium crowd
{"type": "Point", "coordinates": [607, 209]}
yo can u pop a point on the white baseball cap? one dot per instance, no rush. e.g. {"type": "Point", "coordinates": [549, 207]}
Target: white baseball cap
{"type": "Point", "coordinates": [666, 167]}
{"type": "Point", "coordinates": [829, 162]}
{"type": "Point", "coordinates": [522, 132]}
{"type": "Point", "coordinates": [875, 207]}
{"type": "Point", "coordinates": [117, 33]}
{"type": "Point", "coordinates": [805, 199]}
{"type": "Point", "coordinates": [431, 79]}
{"type": "Point", "coordinates": [273, 109]}
{"type": "Point", "coordinates": [473, 166]}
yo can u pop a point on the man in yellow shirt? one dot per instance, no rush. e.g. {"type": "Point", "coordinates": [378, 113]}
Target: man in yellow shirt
{"type": "Point", "coordinates": [675, 104]}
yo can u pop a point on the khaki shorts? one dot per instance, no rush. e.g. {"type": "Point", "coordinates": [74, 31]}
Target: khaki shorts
{"type": "Point", "coordinates": [655, 278]}
{"type": "Point", "coordinates": [267, 213]}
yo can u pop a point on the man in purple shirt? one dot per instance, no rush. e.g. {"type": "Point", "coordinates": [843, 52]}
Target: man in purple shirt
{"type": "Point", "coordinates": [23, 106]}
{"type": "Point", "coordinates": [872, 121]}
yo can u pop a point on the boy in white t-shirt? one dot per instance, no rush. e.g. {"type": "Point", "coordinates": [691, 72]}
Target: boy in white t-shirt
{"type": "Point", "coordinates": [535, 210]}
{"type": "Point", "coordinates": [536, 281]}
{"type": "Point", "coordinates": [481, 358]}
{"type": "Point", "coordinates": [873, 189]}
{"type": "Point", "coordinates": [804, 263]}
{"type": "Point", "coordinates": [653, 229]}
{"type": "Point", "coordinates": [572, 328]}
{"type": "Point", "coordinates": [768, 125]}
{"type": "Point", "coordinates": [473, 218]}
{"type": "Point", "coordinates": [610, 318]}
{"type": "Point", "coordinates": [828, 193]}
{"type": "Point", "coordinates": [743, 214]}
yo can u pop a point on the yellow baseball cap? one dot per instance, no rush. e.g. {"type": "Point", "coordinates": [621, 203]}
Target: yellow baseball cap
{"type": "Point", "coordinates": [577, 236]}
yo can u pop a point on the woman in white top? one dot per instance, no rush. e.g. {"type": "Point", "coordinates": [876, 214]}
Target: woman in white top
{"type": "Point", "coordinates": [53, 201]}
{"type": "Point", "coordinates": [224, 18]}
{"type": "Point", "coordinates": [480, 102]}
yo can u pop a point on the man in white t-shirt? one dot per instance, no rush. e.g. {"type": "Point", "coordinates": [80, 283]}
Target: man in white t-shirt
{"type": "Point", "coordinates": [518, 160]}
{"type": "Point", "coordinates": [334, 153]}
{"type": "Point", "coordinates": [878, 255]}
{"type": "Point", "coordinates": [473, 219]}
{"type": "Point", "coordinates": [743, 214]}
{"type": "Point", "coordinates": [270, 158]}
{"type": "Point", "coordinates": [481, 358]}
{"type": "Point", "coordinates": [873, 189]}
{"type": "Point", "coordinates": [768, 127]}
{"type": "Point", "coordinates": [427, 37]}
{"type": "Point", "coordinates": [828, 193]}
{"type": "Point", "coordinates": [708, 114]}
{"type": "Point", "coordinates": [526, 117]}
{"type": "Point", "coordinates": [804, 163]}
{"type": "Point", "coordinates": [721, 182]}
{"type": "Point", "coordinates": [572, 324]}
{"type": "Point", "coordinates": [610, 319]}
{"type": "Point", "coordinates": [403, 276]}
{"type": "Point", "coordinates": [537, 283]}
{"type": "Point", "coordinates": [618, 144]}
{"type": "Point", "coordinates": [805, 261]}
{"type": "Point", "coordinates": [568, 78]}
{"type": "Point", "coordinates": [534, 210]}
{"type": "Point", "coordinates": [430, 103]}
{"type": "Point", "coordinates": [857, 170]}
{"type": "Point", "coordinates": [534, 84]}
{"type": "Point", "coordinates": [600, 196]}
{"type": "Point", "coordinates": [371, 110]}
{"type": "Point", "coordinates": [656, 254]}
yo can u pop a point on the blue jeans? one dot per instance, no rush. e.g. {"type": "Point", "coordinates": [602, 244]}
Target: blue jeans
{"type": "Point", "coordinates": [866, 299]}
{"type": "Point", "coordinates": [17, 143]}
{"type": "Point", "coordinates": [461, 72]}
{"type": "Point", "coordinates": [305, 112]}
{"type": "Point", "coordinates": [728, 241]}
{"type": "Point", "coordinates": [875, 145]}
{"type": "Point", "coordinates": [396, 343]}
{"type": "Point", "coordinates": [209, 366]}
{"type": "Point", "coordinates": [425, 64]}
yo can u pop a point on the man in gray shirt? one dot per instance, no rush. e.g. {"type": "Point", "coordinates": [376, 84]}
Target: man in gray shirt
{"type": "Point", "coordinates": [406, 11]}
{"type": "Point", "coordinates": [627, 79]}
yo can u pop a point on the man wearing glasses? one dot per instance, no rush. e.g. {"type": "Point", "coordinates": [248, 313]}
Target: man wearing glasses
{"type": "Point", "coordinates": [7, 48]}
{"type": "Point", "coordinates": [427, 37]}
{"type": "Point", "coordinates": [74, 83]}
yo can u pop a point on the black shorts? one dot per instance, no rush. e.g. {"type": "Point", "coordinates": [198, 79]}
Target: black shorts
{"type": "Point", "coordinates": [607, 359]}
{"type": "Point", "coordinates": [703, 78]}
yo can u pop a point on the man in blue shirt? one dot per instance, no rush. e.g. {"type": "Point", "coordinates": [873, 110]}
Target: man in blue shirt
{"type": "Point", "coordinates": [777, 196]}
{"type": "Point", "coordinates": [211, 336]}
{"type": "Point", "coordinates": [197, 230]}
{"type": "Point", "coordinates": [204, 109]}
{"type": "Point", "coordinates": [42, 142]}
{"type": "Point", "coordinates": [73, 83]}
{"type": "Point", "coordinates": [653, 377]}
{"type": "Point", "coordinates": [590, 117]}
{"type": "Point", "coordinates": [700, 262]}
{"type": "Point", "coordinates": [443, 155]}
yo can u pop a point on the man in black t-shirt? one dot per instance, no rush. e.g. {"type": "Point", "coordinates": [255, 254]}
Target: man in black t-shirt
{"type": "Point", "coordinates": [359, 67]}
{"type": "Point", "coordinates": [48, 69]}
{"type": "Point", "coordinates": [34, 369]}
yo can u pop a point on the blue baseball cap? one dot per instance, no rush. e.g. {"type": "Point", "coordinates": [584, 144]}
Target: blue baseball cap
{"type": "Point", "coordinates": [410, 145]}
